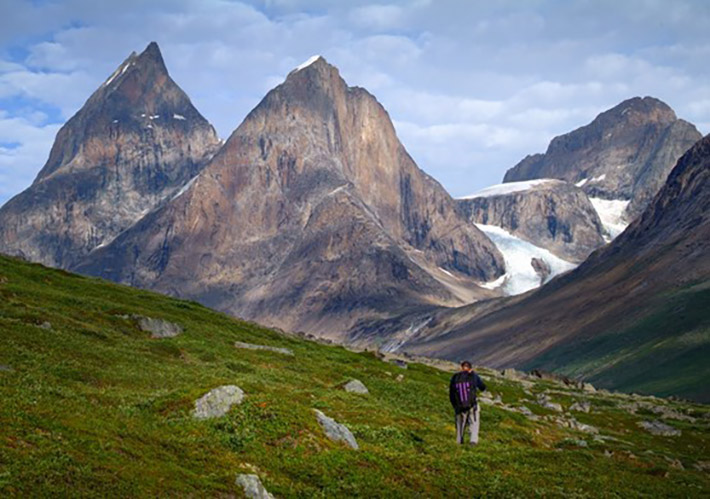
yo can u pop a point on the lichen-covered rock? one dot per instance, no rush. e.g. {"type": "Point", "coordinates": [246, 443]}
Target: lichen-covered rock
{"type": "Point", "coordinates": [250, 346]}
{"type": "Point", "coordinates": [659, 428]}
{"type": "Point", "coordinates": [336, 431]}
{"type": "Point", "coordinates": [217, 402]}
{"type": "Point", "coordinates": [158, 328]}
{"type": "Point", "coordinates": [252, 487]}
{"type": "Point", "coordinates": [356, 386]}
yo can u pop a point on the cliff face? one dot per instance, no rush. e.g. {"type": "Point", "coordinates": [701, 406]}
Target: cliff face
{"type": "Point", "coordinates": [548, 213]}
{"type": "Point", "coordinates": [626, 153]}
{"type": "Point", "coordinates": [312, 216]}
{"type": "Point", "coordinates": [137, 140]}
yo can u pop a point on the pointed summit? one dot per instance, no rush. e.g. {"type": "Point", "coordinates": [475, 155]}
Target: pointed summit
{"type": "Point", "coordinates": [136, 140]}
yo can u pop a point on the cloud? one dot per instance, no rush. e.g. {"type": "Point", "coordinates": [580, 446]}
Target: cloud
{"type": "Point", "coordinates": [472, 86]}
{"type": "Point", "coordinates": [24, 148]}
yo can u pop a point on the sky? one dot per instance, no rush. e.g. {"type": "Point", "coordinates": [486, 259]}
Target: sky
{"type": "Point", "coordinates": [471, 86]}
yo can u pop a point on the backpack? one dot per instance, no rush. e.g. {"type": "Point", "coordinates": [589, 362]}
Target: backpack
{"type": "Point", "coordinates": [465, 390]}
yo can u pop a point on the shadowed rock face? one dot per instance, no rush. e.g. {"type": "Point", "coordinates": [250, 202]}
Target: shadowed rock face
{"type": "Point", "coordinates": [554, 215]}
{"type": "Point", "coordinates": [311, 216]}
{"type": "Point", "coordinates": [136, 140]}
{"type": "Point", "coordinates": [626, 153]}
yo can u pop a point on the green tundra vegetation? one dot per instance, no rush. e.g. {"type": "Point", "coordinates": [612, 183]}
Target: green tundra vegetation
{"type": "Point", "coordinates": [94, 406]}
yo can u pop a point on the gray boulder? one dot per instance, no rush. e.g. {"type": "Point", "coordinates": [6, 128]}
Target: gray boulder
{"type": "Point", "coordinates": [158, 328]}
{"type": "Point", "coordinates": [217, 402]}
{"type": "Point", "coordinates": [46, 325]}
{"type": "Point", "coordinates": [336, 431]}
{"type": "Point", "coordinates": [544, 401]}
{"type": "Point", "coordinates": [581, 406]}
{"type": "Point", "coordinates": [659, 428]}
{"type": "Point", "coordinates": [252, 486]}
{"type": "Point", "coordinates": [251, 346]}
{"type": "Point", "coordinates": [356, 386]}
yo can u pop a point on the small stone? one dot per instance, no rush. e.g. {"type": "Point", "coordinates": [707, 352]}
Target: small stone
{"type": "Point", "coordinates": [400, 378]}
{"type": "Point", "coordinates": [581, 443]}
{"type": "Point", "coordinates": [252, 486]}
{"type": "Point", "coordinates": [46, 325]}
{"type": "Point", "coordinates": [356, 386]}
{"type": "Point", "coordinates": [251, 346]}
{"type": "Point", "coordinates": [588, 387]}
{"type": "Point", "coordinates": [511, 373]}
{"type": "Point", "coordinates": [399, 363]}
{"type": "Point", "coordinates": [702, 466]}
{"type": "Point", "coordinates": [6, 368]}
{"type": "Point", "coordinates": [336, 431]}
{"type": "Point", "coordinates": [217, 402]}
{"type": "Point", "coordinates": [659, 428]}
{"type": "Point", "coordinates": [582, 406]}
{"type": "Point", "coordinates": [544, 401]}
{"type": "Point", "coordinates": [608, 453]}
{"type": "Point", "coordinates": [158, 328]}
{"type": "Point", "coordinates": [675, 463]}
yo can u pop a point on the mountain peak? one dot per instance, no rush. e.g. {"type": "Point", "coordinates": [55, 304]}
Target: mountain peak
{"type": "Point", "coordinates": [152, 55]}
{"type": "Point", "coordinates": [311, 60]}
{"type": "Point", "coordinates": [647, 108]}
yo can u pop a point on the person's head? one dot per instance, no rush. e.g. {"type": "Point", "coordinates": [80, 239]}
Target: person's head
{"type": "Point", "coordinates": [465, 365]}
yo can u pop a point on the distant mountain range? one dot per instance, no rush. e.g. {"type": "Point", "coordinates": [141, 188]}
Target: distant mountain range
{"type": "Point", "coordinates": [313, 217]}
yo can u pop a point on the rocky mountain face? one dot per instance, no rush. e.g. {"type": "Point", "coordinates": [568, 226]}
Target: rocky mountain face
{"type": "Point", "coordinates": [634, 315]}
{"type": "Point", "coordinates": [625, 154]}
{"type": "Point", "coordinates": [548, 213]}
{"type": "Point", "coordinates": [311, 217]}
{"type": "Point", "coordinates": [136, 141]}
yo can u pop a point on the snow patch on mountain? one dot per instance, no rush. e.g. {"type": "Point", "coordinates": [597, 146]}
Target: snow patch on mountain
{"type": "Point", "coordinates": [520, 275]}
{"type": "Point", "coordinates": [611, 213]}
{"type": "Point", "coordinates": [310, 61]}
{"type": "Point", "coordinates": [510, 187]}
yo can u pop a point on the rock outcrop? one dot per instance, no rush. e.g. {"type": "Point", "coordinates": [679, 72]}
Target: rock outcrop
{"type": "Point", "coordinates": [626, 154]}
{"type": "Point", "coordinates": [311, 217]}
{"type": "Point", "coordinates": [136, 142]}
{"type": "Point", "coordinates": [548, 213]}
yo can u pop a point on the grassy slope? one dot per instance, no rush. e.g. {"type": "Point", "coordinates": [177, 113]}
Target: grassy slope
{"type": "Point", "coordinates": [93, 406]}
{"type": "Point", "coordinates": [642, 356]}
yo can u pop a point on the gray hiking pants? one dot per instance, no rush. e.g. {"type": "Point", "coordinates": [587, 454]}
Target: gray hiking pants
{"type": "Point", "coordinates": [470, 419]}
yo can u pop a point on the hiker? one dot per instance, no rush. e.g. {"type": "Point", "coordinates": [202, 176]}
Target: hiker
{"type": "Point", "coordinates": [462, 393]}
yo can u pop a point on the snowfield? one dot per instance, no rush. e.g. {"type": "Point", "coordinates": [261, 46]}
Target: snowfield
{"type": "Point", "coordinates": [510, 187]}
{"type": "Point", "coordinates": [611, 213]}
{"type": "Point", "coordinates": [520, 275]}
